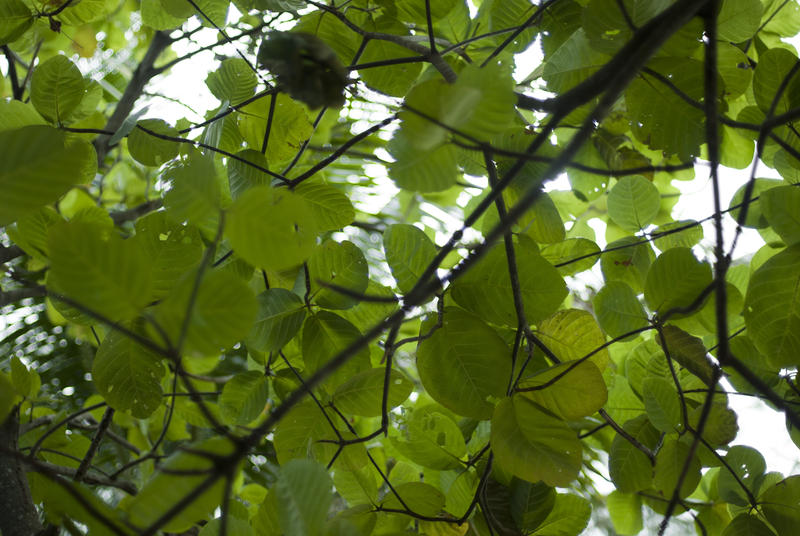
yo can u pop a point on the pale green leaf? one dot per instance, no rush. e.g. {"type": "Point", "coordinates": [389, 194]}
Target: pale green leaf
{"type": "Point", "coordinates": [781, 207]}
{"type": "Point", "coordinates": [331, 208]}
{"type": "Point", "coordinates": [271, 228]}
{"type": "Point", "coordinates": [738, 20]}
{"type": "Point", "coordinates": [341, 264]}
{"type": "Point", "coordinates": [747, 525]}
{"type": "Point", "coordinates": [57, 88]}
{"type": "Point", "coordinates": [241, 176]}
{"type": "Point", "coordinates": [194, 195]}
{"type": "Point", "coordinates": [234, 81]}
{"type": "Point", "coordinates": [569, 516]}
{"type": "Point", "coordinates": [625, 510]}
{"type": "Point", "coordinates": [431, 439]}
{"type": "Point", "coordinates": [150, 150]}
{"type": "Point", "coordinates": [749, 466]}
{"type": "Point", "coordinates": [572, 256]}
{"type": "Point", "coordinates": [463, 364]}
{"type": "Point", "coordinates": [532, 444]}
{"type": "Point", "coordinates": [38, 164]}
{"type": "Point", "coordinates": [574, 334]}
{"type": "Point", "coordinates": [419, 497]}
{"type": "Point", "coordinates": [670, 462]}
{"type": "Point", "coordinates": [629, 467]}
{"type": "Point", "coordinates": [408, 252]}
{"type": "Point", "coordinates": [618, 309]}
{"type": "Point", "coordinates": [325, 335]}
{"type": "Point", "coordinates": [289, 129]}
{"type": "Point", "coordinates": [780, 505]}
{"type": "Point", "coordinates": [571, 389]}
{"type": "Point", "coordinates": [99, 270]}
{"type": "Point", "coordinates": [15, 18]}
{"type": "Point", "coordinates": [128, 376]}
{"type": "Point", "coordinates": [279, 318]}
{"type": "Point", "coordinates": [772, 308]}
{"type": "Point", "coordinates": [627, 260]}
{"type": "Point", "coordinates": [244, 397]}
{"type": "Point", "coordinates": [633, 203]}
{"type": "Point", "coordinates": [420, 170]}
{"type": "Point", "coordinates": [16, 114]}
{"type": "Point", "coordinates": [662, 404]}
{"type": "Point", "coordinates": [363, 393]}
{"type": "Point", "coordinates": [676, 280]}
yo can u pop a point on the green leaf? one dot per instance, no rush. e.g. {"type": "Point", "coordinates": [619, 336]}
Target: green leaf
{"type": "Point", "coordinates": [676, 280]}
{"type": "Point", "coordinates": [38, 164]}
{"type": "Point", "coordinates": [241, 176]}
{"type": "Point", "coordinates": [244, 397]}
{"type": "Point", "coordinates": [431, 439]}
{"type": "Point", "coordinates": [332, 210]}
{"type": "Point", "coordinates": [670, 462]}
{"type": "Point", "coordinates": [15, 18]}
{"type": "Point", "coordinates": [341, 264]}
{"type": "Point", "coordinates": [669, 236]}
{"type": "Point", "coordinates": [755, 216]}
{"type": "Point", "coordinates": [297, 434]}
{"type": "Point", "coordinates": [419, 497]}
{"type": "Point", "coordinates": [774, 65]}
{"type": "Point", "coordinates": [531, 503]}
{"type": "Point", "coordinates": [625, 510]}
{"type": "Point", "coordinates": [633, 203]}
{"type": "Point", "coordinates": [271, 228]}
{"type": "Point", "coordinates": [573, 62]}
{"type": "Point", "coordinates": [222, 311]}
{"type": "Point", "coordinates": [486, 289]}
{"type": "Point", "coordinates": [629, 467]}
{"type": "Point", "coordinates": [721, 427]}
{"type": "Point", "coordinates": [534, 445]}
{"type": "Point", "coordinates": [574, 334]}
{"type": "Point", "coordinates": [23, 379]}
{"type": "Point", "coordinates": [481, 102]}
{"type": "Point", "coordinates": [171, 250]}
{"type": "Point", "coordinates": [627, 260]}
{"type": "Point", "coordinates": [128, 376]}
{"type": "Point", "coordinates": [234, 81]}
{"type": "Point", "coordinates": [463, 364]}
{"type": "Point", "coordinates": [572, 256]}
{"type": "Point", "coordinates": [779, 504]}
{"type": "Point", "coordinates": [99, 270]}
{"type": "Point", "coordinates": [618, 309]}
{"type": "Point", "coordinates": [747, 525]}
{"type": "Point", "coordinates": [303, 490]}
{"type": "Point", "coordinates": [150, 150]}
{"type": "Point", "coordinates": [772, 308]}
{"type": "Point", "coordinates": [157, 18]}
{"type": "Point", "coordinates": [738, 20]}
{"type": "Point", "coordinates": [394, 80]}
{"type": "Point", "coordinates": [363, 393]}
{"type": "Point", "coordinates": [542, 222]}
{"type": "Point", "coordinates": [569, 516]}
{"type": "Point", "coordinates": [194, 195]}
{"type": "Point", "coordinates": [662, 404]}
{"type": "Point", "coordinates": [324, 336]}
{"type": "Point", "coordinates": [178, 480]}
{"type": "Point", "coordinates": [15, 114]}
{"type": "Point", "coordinates": [571, 389]}
{"type": "Point", "coordinates": [57, 88]}
{"type": "Point", "coordinates": [781, 207]}
{"type": "Point", "coordinates": [749, 466]}
{"type": "Point", "coordinates": [408, 252]}
{"type": "Point", "coordinates": [280, 316]}
{"type": "Point", "coordinates": [289, 129]}
{"type": "Point", "coordinates": [689, 352]}
{"type": "Point", "coordinates": [419, 170]}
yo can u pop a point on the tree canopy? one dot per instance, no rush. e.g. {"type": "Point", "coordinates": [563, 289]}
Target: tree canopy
{"type": "Point", "coordinates": [345, 299]}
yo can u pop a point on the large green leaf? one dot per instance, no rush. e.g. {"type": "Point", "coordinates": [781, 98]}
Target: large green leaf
{"type": "Point", "coordinates": [772, 308]}
{"type": "Point", "coordinates": [670, 463]}
{"type": "Point", "coordinates": [150, 150]}
{"type": "Point", "coordinates": [271, 228]}
{"type": "Point", "coordinates": [408, 252]}
{"type": "Point", "coordinates": [171, 250]}
{"type": "Point", "coordinates": [93, 266]}
{"type": "Point", "coordinates": [573, 334]}
{"type": "Point", "coordinates": [774, 65]}
{"type": "Point", "coordinates": [15, 18]}
{"type": "Point", "coordinates": [325, 335]}
{"type": "Point", "coordinates": [289, 129]}
{"type": "Point", "coordinates": [279, 318]}
{"type": "Point", "coordinates": [571, 390]}
{"type": "Point", "coordinates": [627, 260]}
{"type": "Point", "coordinates": [738, 20]}
{"type": "Point", "coordinates": [781, 207]}
{"type": "Point", "coordinates": [128, 376]}
{"type": "Point", "coordinates": [747, 525]}
{"type": "Point", "coordinates": [304, 493]}
{"type": "Point", "coordinates": [242, 176]}
{"type": "Point", "coordinates": [534, 445]}
{"type": "Point", "coordinates": [780, 505]}
{"type": "Point", "coordinates": [630, 468]}
{"type": "Point", "coordinates": [220, 312]}
{"type": "Point", "coordinates": [57, 88]}
{"type": "Point", "coordinates": [431, 170]}
{"type": "Point", "coordinates": [571, 256]}
{"type": "Point", "coordinates": [618, 309]}
{"type": "Point", "coordinates": [331, 208]}
{"type": "Point", "coordinates": [194, 195]}
{"type": "Point", "coordinates": [431, 439]}
{"type": "Point", "coordinates": [572, 63]}
{"type": "Point", "coordinates": [419, 497]}
{"type": "Point", "coordinates": [662, 404]}
{"type": "Point", "coordinates": [569, 516]}
{"type": "Point", "coordinates": [531, 503]}
{"type": "Point", "coordinates": [341, 264]}
{"type": "Point", "coordinates": [625, 510]}
{"type": "Point", "coordinates": [234, 81]}
{"type": "Point", "coordinates": [363, 393]}
{"type": "Point", "coordinates": [676, 281]}
{"type": "Point", "coordinates": [486, 289]}
{"type": "Point", "coordinates": [38, 164]}
{"type": "Point", "coordinates": [178, 480]}
{"type": "Point", "coordinates": [749, 466]}
{"type": "Point", "coordinates": [244, 397]}
{"type": "Point", "coordinates": [633, 203]}
{"type": "Point", "coordinates": [464, 364]}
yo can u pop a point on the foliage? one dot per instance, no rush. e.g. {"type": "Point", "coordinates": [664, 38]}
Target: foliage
{"type": "Point", "coordinates": [343, 302]}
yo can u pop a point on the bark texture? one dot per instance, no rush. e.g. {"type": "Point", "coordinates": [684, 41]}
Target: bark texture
{"type": "Point", "coordinates": [18, 516]}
